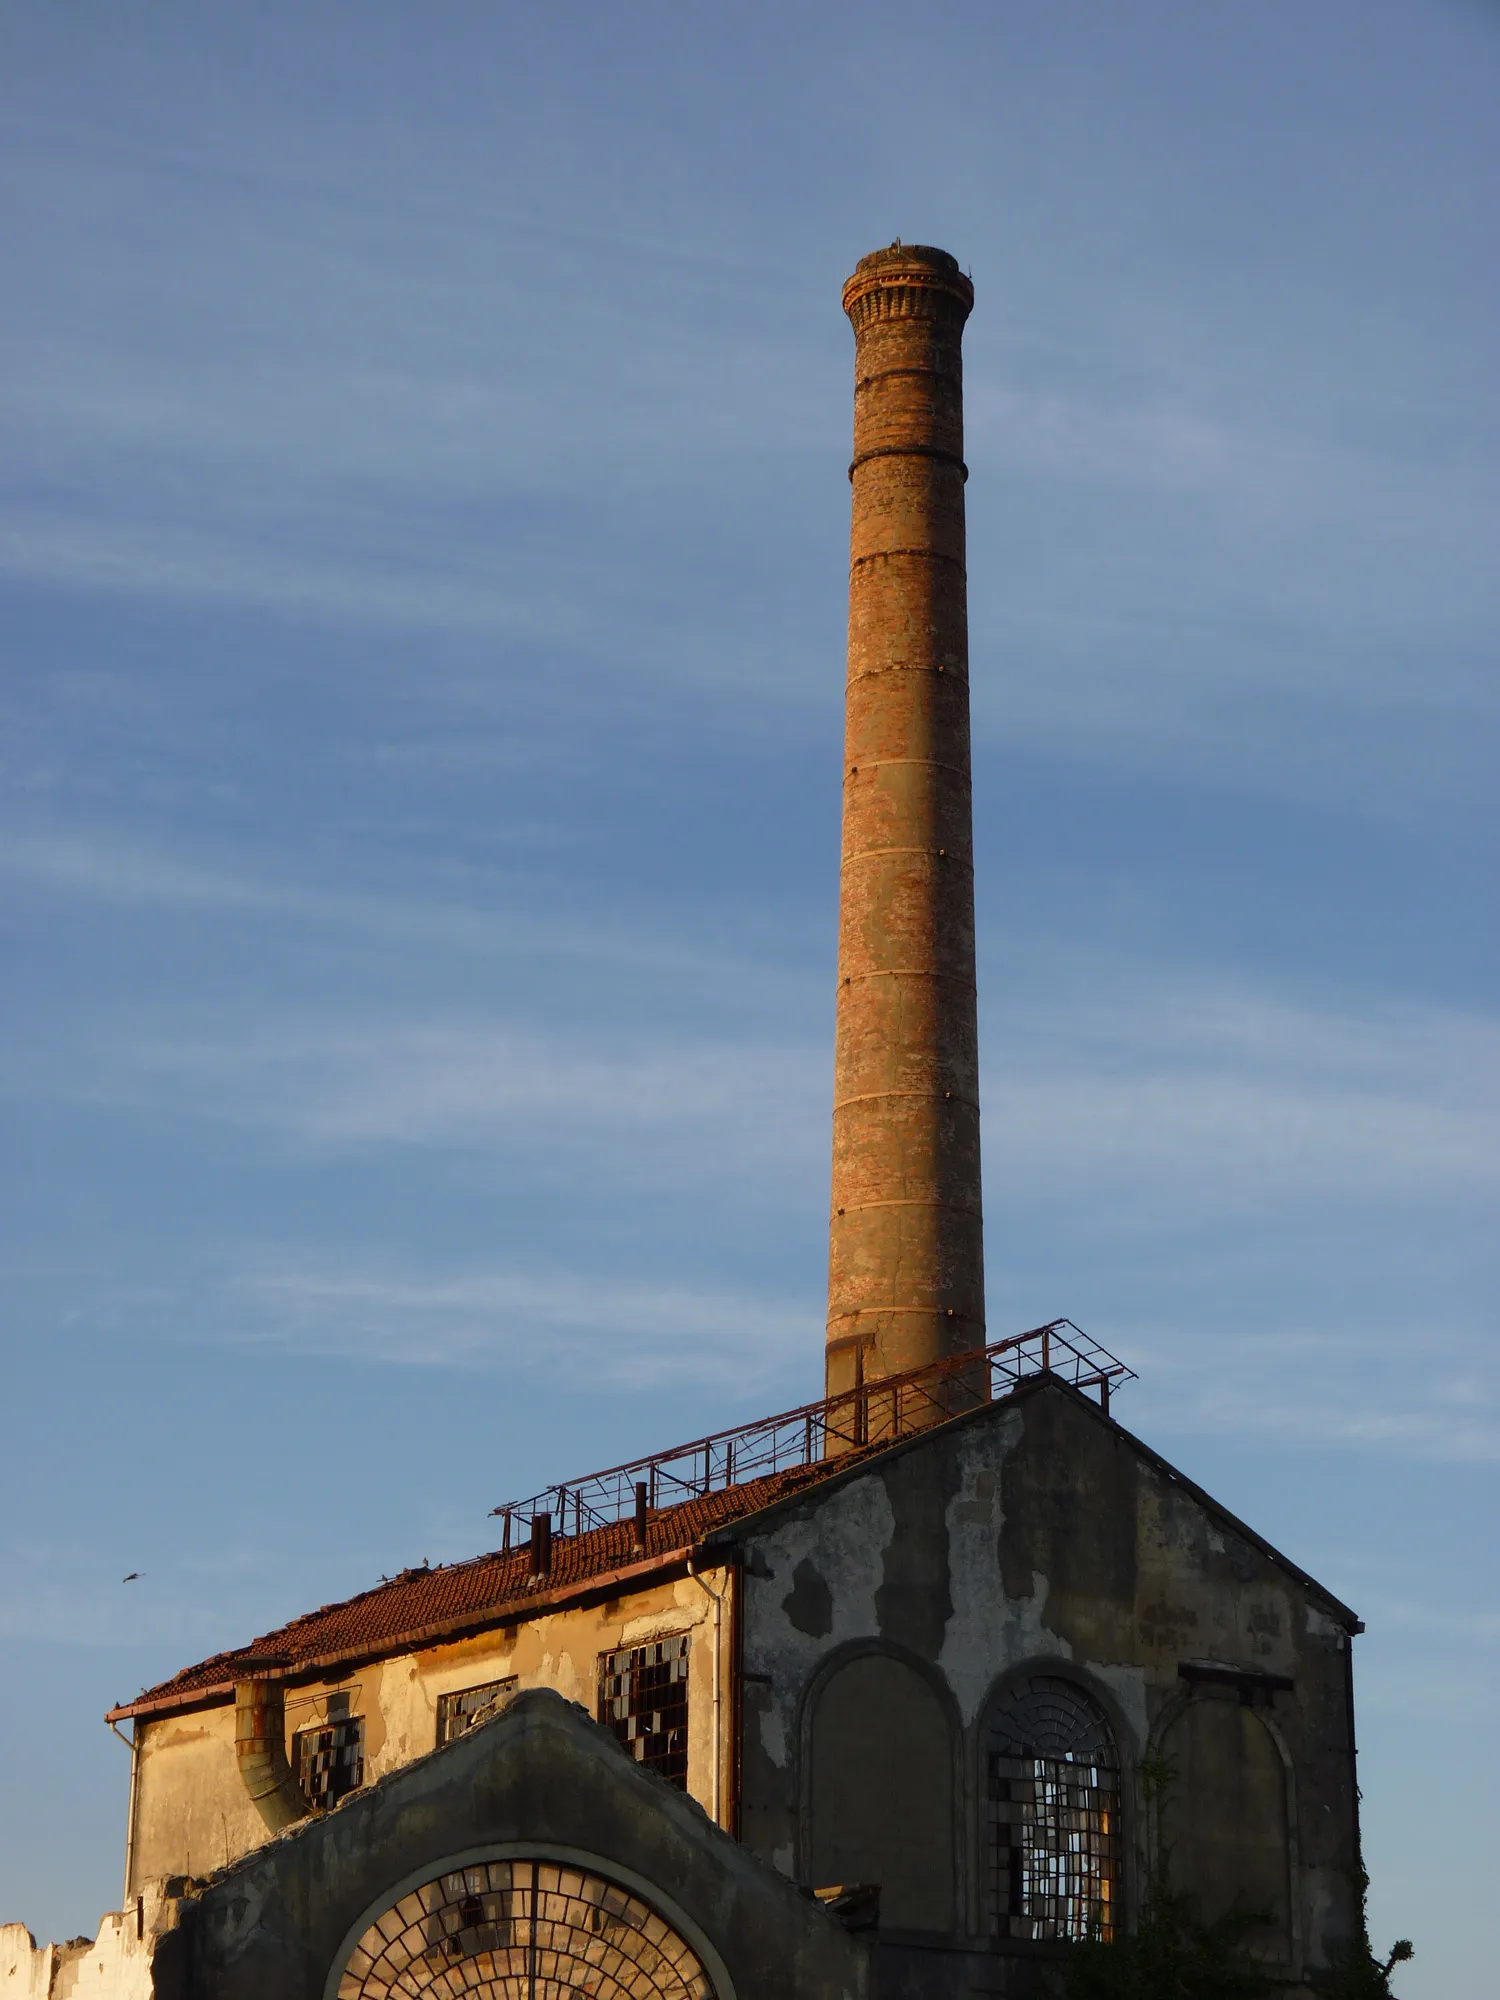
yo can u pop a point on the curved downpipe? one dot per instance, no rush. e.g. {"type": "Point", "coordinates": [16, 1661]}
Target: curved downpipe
{"type": "Point", "coordinates": [260, 1752]}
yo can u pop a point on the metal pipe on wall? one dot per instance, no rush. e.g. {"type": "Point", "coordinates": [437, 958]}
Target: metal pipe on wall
{"type": "Point", "coordinates": [260, 1753]}
{"type": "Point", "coordinates": [716, 1597]}
{"type": "Point", "coordinates": [132, 1743]}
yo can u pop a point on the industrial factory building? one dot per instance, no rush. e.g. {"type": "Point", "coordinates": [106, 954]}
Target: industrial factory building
{"type": "Point", "coordinates": [851, 1702]}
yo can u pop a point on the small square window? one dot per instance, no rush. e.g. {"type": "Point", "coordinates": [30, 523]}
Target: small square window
{"type": "Point", "coordinates": [465, 1709]}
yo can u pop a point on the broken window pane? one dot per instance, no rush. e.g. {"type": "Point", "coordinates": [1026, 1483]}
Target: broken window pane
{"type": "Point", "coordinates": [511, 1928]}
{"type": "Point", "coordinates": [643, 1699]}
{"type": "Point", "coordinates": [1053, 1811]}
{"type": "Point", "coordinates": [458, 1713]}
{"type": "Point", "coordinates": [330, 1761]}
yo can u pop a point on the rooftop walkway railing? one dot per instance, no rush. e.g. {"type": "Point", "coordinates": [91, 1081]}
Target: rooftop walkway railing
{"type": "Point", "coordinates": [871, 1413]}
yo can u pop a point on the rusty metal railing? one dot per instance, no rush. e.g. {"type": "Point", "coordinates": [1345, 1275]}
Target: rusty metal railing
{"type": "Point", "coordinates": [874, 1412]}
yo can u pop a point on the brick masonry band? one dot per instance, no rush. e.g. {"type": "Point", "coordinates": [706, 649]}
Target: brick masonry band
{"type": "Point", "coordinates": [906, 1259]}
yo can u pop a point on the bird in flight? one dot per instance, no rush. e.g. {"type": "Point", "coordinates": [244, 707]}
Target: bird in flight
{"type": "Point", "coordinates": [134, 1577]}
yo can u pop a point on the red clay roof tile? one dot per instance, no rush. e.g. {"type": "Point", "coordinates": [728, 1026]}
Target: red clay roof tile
{"type": "Point", "coordinates": [420, 1605]}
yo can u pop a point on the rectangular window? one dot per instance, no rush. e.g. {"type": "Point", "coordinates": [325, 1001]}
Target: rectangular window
{"type": "Point", "coordinates": [643, 1699]}
{"type": "Point", "coordinates": [1052, 1842]}
{"type": "Point", "coordinates": [330, 1760]}
{"type": "Point", "coordinates": [458, 1713]}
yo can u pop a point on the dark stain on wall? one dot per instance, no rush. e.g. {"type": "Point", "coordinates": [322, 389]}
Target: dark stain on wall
{"type": "Point", "coordinates": [1069, 1492]}
{"type": "Point", "coordinates": [1264, 1626]}
{"type": "Point", "coordinates": [915, 1600]}
{"type": "Point", "coordinates": [768, 1791]}
{"type": "Point", "coordinates": [809, 1602]}
{"type": "Point", "coordinates": [1168, 1627]}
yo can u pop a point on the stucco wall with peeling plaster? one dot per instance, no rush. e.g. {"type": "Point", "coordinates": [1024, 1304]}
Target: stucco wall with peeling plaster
{"type": "Point", "coordinates": [192, 1815]}
{"type": "Point", "coordinates": [115, 1965]}
{"type": "Point", "coordinates": [1039, 1536]}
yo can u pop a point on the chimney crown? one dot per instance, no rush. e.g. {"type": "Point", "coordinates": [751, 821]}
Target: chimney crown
{"type": "Point", "coordinates": [929, 276]}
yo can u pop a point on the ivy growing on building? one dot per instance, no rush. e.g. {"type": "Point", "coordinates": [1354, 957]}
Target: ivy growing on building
{"type": "Point", "coordinates": [1173, 1954]}
{"type": "Point", "coordinates": [1358, 1974]}
{"type": "Point", "coordinates": [1170, 1955]}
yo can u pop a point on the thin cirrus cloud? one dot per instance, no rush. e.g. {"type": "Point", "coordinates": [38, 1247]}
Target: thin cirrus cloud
{"type": "Point", "coordinates": [666, 1112]}
{"type": "Point", "coordinates": [133, 876]}
{"type": "Point", "coordinates": [375, 466]}
{"type": "Point", "coordinates": [391, 583]}
{"type": "Point", "coordinates": [1220, 1097]}
{"type": "Point", "coordinates": [1195, 1097]}
{"type": "Point", "coordinates": [1201, 1104]}
{"type": "Point", "coordinates": [1304, 1385]}
{"type": "Point", "coordinates": [604, 1330]}
{"type": "Point", "coordinates": [1421, 1390]}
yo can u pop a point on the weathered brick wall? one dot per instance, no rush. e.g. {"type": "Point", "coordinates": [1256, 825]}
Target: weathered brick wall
{"type": "Point", "coordinates": [906, 1266]}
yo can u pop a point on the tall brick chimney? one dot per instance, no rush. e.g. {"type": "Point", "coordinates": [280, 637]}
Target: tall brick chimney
{"type": "Point", "coordinates": [906, 1257]}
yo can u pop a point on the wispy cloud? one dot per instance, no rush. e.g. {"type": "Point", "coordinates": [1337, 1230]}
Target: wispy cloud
{"type": "Point", "coordinates": [585, 1328]}
{"type": "Point", "coordinates": [116, 870]}
{"type": "Point", "coordinates": [1198, 1127]}
{"type": "Point", "coordinates": [658, 1113]}
{"type": "Point", "coordinates": [371, 462]}
{"type": "Point", "coordinates": [1154, 1097]}
{"type": "Point", "coordinates": [119, 871]}
{"type": "Point", "coordinates": [600, 1330]}
{"type": "Point", "coordinates": [1225, 1098]}
{"type": "Point", "coordinates": [1308, 1384]}
{"type": "Point", "coordinates": [526, 591]}
{"type": "Point", "coordinates": [1412, 1391]}
{"type": "Point", "coordinates": [1168, 1111]}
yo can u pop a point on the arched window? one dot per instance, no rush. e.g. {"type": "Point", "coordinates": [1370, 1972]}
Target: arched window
{"type": "Point", "coordinates": [1052, 1798]}
{"type": "Point", "coordinates": [881, 1791]}
{"type": "Point", "coordinates": [1224, 1818]}
{"type": "Point", "coordinates": [523, 1930]}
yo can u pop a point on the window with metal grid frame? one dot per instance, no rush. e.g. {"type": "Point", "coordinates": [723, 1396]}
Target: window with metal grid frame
{"type": "Point", "coordinates": [329, 1760]}
{"type": "Point", "coordinates": [465, 1709]}
{"type": "Point", "coordinates": [1053, 1806]}
{"type": "Point", "coordinates": [643, 1699]}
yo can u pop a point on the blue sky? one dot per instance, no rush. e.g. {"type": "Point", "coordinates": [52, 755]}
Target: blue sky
{"type": "Point", "coordinates": [422, 557]}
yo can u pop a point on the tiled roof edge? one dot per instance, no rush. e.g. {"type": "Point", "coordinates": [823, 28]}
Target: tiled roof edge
{"type": "Point", "coordinates": [504, 1611]}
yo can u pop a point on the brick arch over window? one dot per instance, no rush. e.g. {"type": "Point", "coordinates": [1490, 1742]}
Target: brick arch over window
{"type": "Point", "coordinates": [1050, 1786]}
{"type": "Point", "coordinates": [1225, 1820]}
{"type": "Point", "coordinates": [880, 1790]}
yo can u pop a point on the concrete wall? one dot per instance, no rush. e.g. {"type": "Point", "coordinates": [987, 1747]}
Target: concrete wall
{"type": "Point", "coordinates": [115, 1965]}
{"type": "Point", "coordinates": [539, 1778]}
{"type": "Point", "coordinates": [1034, 1536]}
{"type": "Point", "coordinates": [1227, 1822]}
{"type": "Point", "coordinates": [192, 1815]}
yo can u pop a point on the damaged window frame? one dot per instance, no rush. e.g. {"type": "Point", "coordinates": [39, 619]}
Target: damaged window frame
{"type": "Point", "coordinates": [632, 1683]}
{"type": "Point", "coordinates": [1052, 1773]}
{"type": "Point", "coordinates": [339, 1738]}
{"type": "Point", "coordinates": [463, 1709]}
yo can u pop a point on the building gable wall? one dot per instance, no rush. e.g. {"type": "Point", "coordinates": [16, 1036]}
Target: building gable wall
{"type": "Point", "coordinates": [1038, 1537]}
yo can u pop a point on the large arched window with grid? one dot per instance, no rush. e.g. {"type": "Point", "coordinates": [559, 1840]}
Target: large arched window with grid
{"type": "Point", "coordinates": [523, 1930]}
{"type": "Point", "coordinates": [1052, 1799]}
